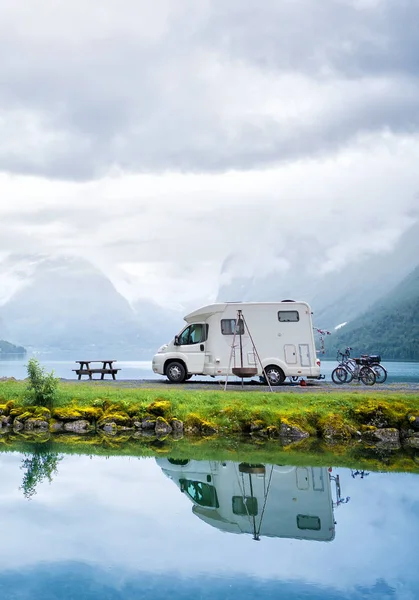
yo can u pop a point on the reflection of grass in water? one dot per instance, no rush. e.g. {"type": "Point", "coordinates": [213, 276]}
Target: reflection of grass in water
{"type": "Point", "coordinates": [307, 453]}
{"type": "Point", "coordinates": [39, 464]}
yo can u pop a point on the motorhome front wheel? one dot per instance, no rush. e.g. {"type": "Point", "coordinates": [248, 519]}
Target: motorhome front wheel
{"type": "Point", "coordinates": [176, 372]}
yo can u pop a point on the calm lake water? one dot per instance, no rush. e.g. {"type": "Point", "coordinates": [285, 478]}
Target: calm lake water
{"type": "Point", "coordinates": [131, 369]}
{"type": "Point", "coordinates": [129, 528]}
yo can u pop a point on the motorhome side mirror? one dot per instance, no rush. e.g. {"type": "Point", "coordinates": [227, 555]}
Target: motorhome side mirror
{"type": "Point", "coordinates": [177, 343]}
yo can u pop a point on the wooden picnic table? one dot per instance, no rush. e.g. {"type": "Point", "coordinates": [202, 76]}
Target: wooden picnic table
{"type": "Point", "coordinates": [85, 368]}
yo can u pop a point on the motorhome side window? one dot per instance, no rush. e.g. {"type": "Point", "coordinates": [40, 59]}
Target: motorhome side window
{"type": "Point", "coordinates": [288, 316]}
{"type": "Point", "coordinates": [194, 334]}
{"type": "Point", "coordinates": [308, 522]}
{"type": "Point", "coordinates": [229, 325]}
{"type": "Point", "coordinates": [245, 506]}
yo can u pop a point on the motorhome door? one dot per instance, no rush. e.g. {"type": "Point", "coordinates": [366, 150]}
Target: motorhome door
{"type": "Point", "coordinates": [192, 343]}
{"type": "Point", "coordinates": [305, 360]}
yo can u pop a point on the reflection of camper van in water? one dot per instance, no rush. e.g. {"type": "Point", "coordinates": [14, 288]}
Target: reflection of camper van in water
{"type": "Point", "coordinates": [262, 500]}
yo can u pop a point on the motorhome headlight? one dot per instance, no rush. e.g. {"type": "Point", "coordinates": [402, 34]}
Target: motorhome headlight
{"type": "Point", "coordinates": [162, 349]}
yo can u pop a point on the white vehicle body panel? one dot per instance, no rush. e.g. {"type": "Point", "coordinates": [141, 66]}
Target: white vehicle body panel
{"type": "Point", "coordinates": [288, 345]}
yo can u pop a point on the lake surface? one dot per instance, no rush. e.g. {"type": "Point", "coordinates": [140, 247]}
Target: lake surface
{"type": "Point", "coordinates": [132, 369]}
{"type": "Point", "coordinates": [127, 528]}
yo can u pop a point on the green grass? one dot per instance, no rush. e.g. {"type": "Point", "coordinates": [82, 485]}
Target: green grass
{"type": "Point", "coordinates": [234, 411]}
{"type": "Point", "coordinates": [230, 409]}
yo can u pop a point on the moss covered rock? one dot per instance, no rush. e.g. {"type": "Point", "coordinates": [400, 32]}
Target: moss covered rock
{"type": "Point", "coordinates": [56, 426]}
{"type": "Point", "coordinates": [413, 422]}
{"type": "Point", "coordinates": [177, 426]}
{"type": "Point", "coordinates": [73, 413]}
{"type": "Point", "coordinates": [386, 435]}
{"type": "Point", "coordinates": [67, 414]}
{"type": "Point", "coordinates": [160, 408]}
{"type": "Point", "coordinates": [5, 421]}
{"type": "Point", "coordinates": [110, 428]}
{"type": "Point", "coordinates": [6, 407]}
{"type": "Point", "coordinates": [292, 431]}
{"type": "Point", "coordinates": [380, 414]}
{"type": "Point", "coordinates": [256, 425]}
{"type": "Point", "coordinates": [162, 427]}
{"type": "Point", "coordinates": [332, 427]}
{"type": "Point", "coordinates": [21, 416]}
{"type": "Point", "coordinates": [208, 428]}
{"type": "Point", "coordinates": [412, 441]}
{"type": "Point", "coordinates": [195, 425]}
{"type": "Point", "coordinates": [80, 426]}
{"type": "Point", "coordinates": [119, 418]}
{"type": "Point", "coordinates": [148, 424]}
{"type": "Point", "coordinates": [36, 424]}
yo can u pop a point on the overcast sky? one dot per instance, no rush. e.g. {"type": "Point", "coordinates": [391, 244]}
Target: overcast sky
{"type": "Point", "coordinates": [160, 138]}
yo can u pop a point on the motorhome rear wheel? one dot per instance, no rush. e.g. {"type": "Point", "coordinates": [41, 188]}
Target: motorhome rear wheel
{"type": "Point", "coordinates": [275, 375]}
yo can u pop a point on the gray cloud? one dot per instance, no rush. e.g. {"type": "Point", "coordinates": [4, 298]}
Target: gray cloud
{"type": "Point", "coordinates": [334, 36]}
{"type": "Point", "coordinates": [178, 99]}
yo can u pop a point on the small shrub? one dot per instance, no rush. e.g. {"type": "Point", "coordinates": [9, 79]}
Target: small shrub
{"type": "Point", "coordinates": [42, 386]}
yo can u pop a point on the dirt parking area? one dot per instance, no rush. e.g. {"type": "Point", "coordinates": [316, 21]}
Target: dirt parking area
{"type": "Point", "coordinates": [253, 386]}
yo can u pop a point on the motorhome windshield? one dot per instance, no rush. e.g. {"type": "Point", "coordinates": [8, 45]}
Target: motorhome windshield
{"type": "Point", "coordinates": [201, 493]}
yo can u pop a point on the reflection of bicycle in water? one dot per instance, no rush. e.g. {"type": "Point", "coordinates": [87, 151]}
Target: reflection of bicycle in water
{"type": "Point", "coordinates": [349, 369]}
{"type": "Point", "coordinates": [339, 499]}
{"type": "Point", "coordinates": [361, 474]}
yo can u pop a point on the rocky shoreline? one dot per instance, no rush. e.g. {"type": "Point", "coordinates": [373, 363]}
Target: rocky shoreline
{"type": "Point", "coordinates": [375, 427]}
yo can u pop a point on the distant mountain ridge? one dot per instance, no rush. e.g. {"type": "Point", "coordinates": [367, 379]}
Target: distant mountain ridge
{"type": "Point", "coordinates": [336, 297]}
{"type": "Point", "coordinates": [390, 327]}
{"type": "Point", "coordinates": [67, 304]}
{"type": "Point", "coordinates": [7, 348]}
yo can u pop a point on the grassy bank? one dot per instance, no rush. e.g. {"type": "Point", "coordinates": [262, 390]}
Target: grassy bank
{"type": "Point", "coordinates": [333, 420]}
{"type": "Point", "coordinates": [232, 412]}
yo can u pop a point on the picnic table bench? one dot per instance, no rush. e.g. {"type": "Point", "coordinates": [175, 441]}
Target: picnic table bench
{"type": "Point", "coordinates": [85, 368]}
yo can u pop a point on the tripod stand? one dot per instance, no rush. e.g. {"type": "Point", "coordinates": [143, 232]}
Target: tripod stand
{"type": "Point", "coordinates": [239, 330]}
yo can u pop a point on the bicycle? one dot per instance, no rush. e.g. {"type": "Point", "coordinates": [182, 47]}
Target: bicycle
{"type": "Point", "coordinates": [373, 361]}
{"type": "Point", "coordinates": [349, 369]}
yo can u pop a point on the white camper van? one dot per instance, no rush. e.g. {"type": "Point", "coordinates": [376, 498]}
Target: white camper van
{"type": "Point", "coordinates": [262, 500]}
{"type": "Point", "coordinates": [217, 339]}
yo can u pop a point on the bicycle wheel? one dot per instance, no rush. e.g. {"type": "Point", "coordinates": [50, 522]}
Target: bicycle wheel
{"type": "Point", "coordinates": [340, 375]}
{"type": "Point", "coordinates": [380, 373]}
{"type": "Point", "coordinates": [367, 376]}
{"type": "Point", "coordinates": [350, 367]}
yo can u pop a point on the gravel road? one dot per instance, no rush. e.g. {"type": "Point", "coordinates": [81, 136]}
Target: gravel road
{"type": "Point", "coordinates": [253, 386]}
